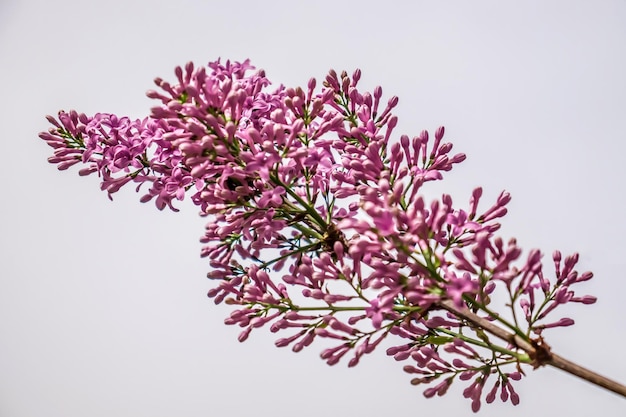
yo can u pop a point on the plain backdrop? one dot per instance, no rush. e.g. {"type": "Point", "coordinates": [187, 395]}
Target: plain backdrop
{"type": "Point", "coordinates": [103, 307]}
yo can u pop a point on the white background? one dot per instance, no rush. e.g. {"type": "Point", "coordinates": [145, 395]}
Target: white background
{"type": "Point", "coordinates": [103, 308]}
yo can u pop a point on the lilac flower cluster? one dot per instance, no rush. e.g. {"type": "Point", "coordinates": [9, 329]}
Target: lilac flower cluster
{"type": "Point", "coordinates": [318, 226]}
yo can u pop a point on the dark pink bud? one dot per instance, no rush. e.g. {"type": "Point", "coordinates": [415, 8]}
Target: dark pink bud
{"type": "Point", "coordinates": [476, 405]}
{"type": "Point", "coordinates": [516, 376]}
{"type": "Point", "coordinates": [564, 322]}
{"type": "Point", "coordinates": [467, 375]}
{"type": "Point", "coordinates": [353, 362]}
{"type": "Point", "coordinates": [62, 166]}
{"type": "Point", "coordinates": [286, 341]}
{"type": "Point", "coordinates": [345, 84]}
{"type": "Point", "coordinates": [476, 194]}
{"type": "Point", "coordinates": [514, 396]}
{"type": "Point", "coordinates": [585, 276]}
{"type": "Point", "coordinates": [587, 299]}
{"type": "Point", "coordinates": [458, 158]}
{"type": "Point", "coordinates": [439, 132]}
{"type": "Point", "coordinates": [244, 335]}
{"type": "Point", "coordinates": [439, 389]}
{"type": "Point", "coordinates": [504, 198]}
{"type": "Point", "coordinates": [342, 327]}
{"type": "Point", "coordinates": [460, 364]}
{"type": "Point", "coordinates": [87, 171]}
{"type": "Point", "coordinates": [491, 396]}
{"type": "Point", "coordinates": [356, 76]}
{"type": "Point", "coordinates": [282, 342]}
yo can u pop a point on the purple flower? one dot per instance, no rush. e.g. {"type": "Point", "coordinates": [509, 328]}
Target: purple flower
{"type": "Point", "coordinates": [457, 286]}
{"type": "Point", "coordinates": [311, 182]}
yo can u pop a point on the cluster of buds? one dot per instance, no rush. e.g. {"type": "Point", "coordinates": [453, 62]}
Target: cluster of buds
{"type": "Point", "coordinates": [318, 226]}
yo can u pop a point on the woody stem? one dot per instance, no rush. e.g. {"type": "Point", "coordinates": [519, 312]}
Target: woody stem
{"type": "Point", "coordinates": [539, 352]}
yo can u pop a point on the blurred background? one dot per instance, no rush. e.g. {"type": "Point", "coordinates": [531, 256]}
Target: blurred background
{"type": "Point", "coordinates": [103, 307]}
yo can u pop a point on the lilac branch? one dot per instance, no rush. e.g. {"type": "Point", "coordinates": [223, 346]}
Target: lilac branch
{"type": "Point", "coordinates": [317, 177]}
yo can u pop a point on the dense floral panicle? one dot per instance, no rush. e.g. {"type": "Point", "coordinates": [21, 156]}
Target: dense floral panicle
{"type": "Point", "coordinates": [318, 225]}
{"type": "Point", "coordinates": [119, 149]}
{"type": "Point", "coordinates": [208, 135]}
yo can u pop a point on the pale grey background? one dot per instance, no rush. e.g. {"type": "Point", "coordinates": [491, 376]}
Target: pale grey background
{"type": "Point", "coordinates": [102, 305]}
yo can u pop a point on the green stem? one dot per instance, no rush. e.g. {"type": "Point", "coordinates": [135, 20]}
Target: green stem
{"type": "Point", "coordinates": [496, 317]}
{"type": "Point", "coordinates": [310, 233]}
{"type": "Point", "coordinates": [302, 249]}
{"type": "Point", "coordinates": [310, 211]}
{"type": "Point", "coordinates": [520, 357]}
{"type": "Point", "coordinates": [332, 308]}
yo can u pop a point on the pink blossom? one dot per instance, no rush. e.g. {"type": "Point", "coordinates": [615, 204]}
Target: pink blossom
{"type": "Point", "coordinates": [311, 182]}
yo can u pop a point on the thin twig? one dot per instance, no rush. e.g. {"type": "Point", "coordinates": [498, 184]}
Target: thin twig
{"type": "Point", "coordinates": [587, 375]}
